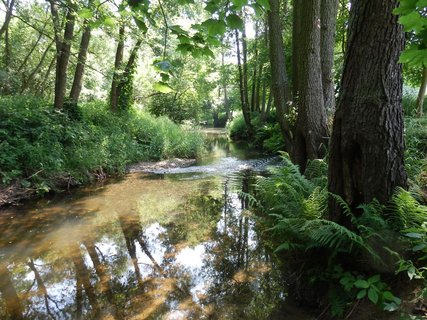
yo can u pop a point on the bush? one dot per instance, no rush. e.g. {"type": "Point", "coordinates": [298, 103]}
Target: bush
{"type": "Point", "coordinates": [416, 151]}
{"type": "Point", "coordinates": [41, 146]}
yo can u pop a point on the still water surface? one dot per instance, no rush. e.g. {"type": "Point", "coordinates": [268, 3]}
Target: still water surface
{"type": "Point", "coordinates": [176, 244]}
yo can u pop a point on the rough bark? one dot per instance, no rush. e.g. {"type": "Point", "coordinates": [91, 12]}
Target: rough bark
{"type": "Point", "coordinates": [422, 93]}
{"type": "Point", "coordinates": [63, 57]}
{"type": "Point", "coordinates": [311, 130]}
{"type": "Point", "coordinates": [80, 67]}
{"type": "Point", "coordinates": [279, 79]}
{"type": "Point", "coordinates": [328, 18]}
{"type": "Point", "coordinates": [367, 146]}
{"type": "Point", "coordinates": [117, 65]}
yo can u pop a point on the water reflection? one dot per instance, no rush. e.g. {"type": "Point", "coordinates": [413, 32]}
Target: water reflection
{"type": "Point", "coordinates": [140, 248]}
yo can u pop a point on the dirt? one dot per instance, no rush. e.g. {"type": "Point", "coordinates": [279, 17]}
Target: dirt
{"type": "Point", "coordinates": [14, 194]}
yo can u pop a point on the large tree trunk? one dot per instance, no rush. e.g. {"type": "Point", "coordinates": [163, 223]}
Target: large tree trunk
{"type": "Point", "coordinates": [311, 130]}
{"type": "Point", "coordinates": [279, 78]}
{"type": "Point", "coordinates": [296, 34]}
{"type": "Point", "coordinates": [63, 57]}
{"type": "Point", "coordinates": [422, 93]}
{"type": "Point", "coordinates": [367, 146]}
{"type": "Point", "coordinates": [328, 19]}
{"type": "Point", "coordinates": [117, 65]}
{"type": "Point", "coordinates": [80, 67]}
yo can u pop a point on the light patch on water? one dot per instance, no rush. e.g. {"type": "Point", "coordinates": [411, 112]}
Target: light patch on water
{"type": "Point", "coordinates": [191, 257]}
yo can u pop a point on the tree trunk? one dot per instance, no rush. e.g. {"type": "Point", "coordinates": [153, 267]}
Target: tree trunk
{"type": "Point", "coordinates": [311, 130]}
{"type": "Point", "coordinates": [125, 86]}
{"type": "Point", "coordinates": [296, 34]}
{"type": "Point", "coordinates": [63, 57]}
{"type": "Point", "coordinates": [279, 79]}
{"type": "Point", "coordinates": [81, 61]}
{"type": "Point", "coordinates": [367, 146]}
{"type": "Point", "coordinates": [243, 93]}
{"type": "Point", "coordinates": [328, 18]}
{"type": "Point", "coordinates": [422, 93]}
{"type": "Point", "coordinates": [117, 65]}
{"type": "Point", "coordinates": [9, 12]}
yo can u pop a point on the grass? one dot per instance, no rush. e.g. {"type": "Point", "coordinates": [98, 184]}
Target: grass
{"type": "Point", "coordinates": [40, 147]}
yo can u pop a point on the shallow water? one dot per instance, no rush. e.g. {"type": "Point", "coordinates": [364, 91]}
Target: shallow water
{"type": "Point", "coordinates": [177, 244]}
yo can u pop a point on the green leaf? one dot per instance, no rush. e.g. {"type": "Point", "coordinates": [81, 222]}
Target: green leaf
{"type": "Point", "coordinates": [422, 3]}
{"type": "Point", "coordinates": [283, 246]}
{"type": "Point", "coordinates": [414, 235]}
{"type": "Point", "coordinates": [162, 87]}
{"type": "Point", "coordinates": [85, 13]}
{"type": "Point", "coordinates": [420, 247]}
{"type": "Point", "coordinates": [239, 3]}
{"type": "Point", "coordinates": [141, 24]}
{"type": "Point", "coordinates": [361, 294]}
{"type": "Point", "coordinates": [387, 295]}
{"type": "Point", "coordinates": [164, 65]}
{"type": "Point", "coordinates": [374, 279]}
{"type": "Point", "coordinates": [373, 295]}
{"type": "Point", "coordinates": [215, 27]}
{"type": "Point", "coordinates": [412, 21]}
{"type": "Point", "coordinates": [109, 21]}
{"type": "Point", "coordinates": [234, 21]}
{"type": "Point", "coordinates": [390, 306]}
{"type": "Point", "coordinates": [363, 284]}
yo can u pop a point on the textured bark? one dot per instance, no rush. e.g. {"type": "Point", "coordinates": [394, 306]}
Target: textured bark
{"type": "Point", "coordinates": [311, 130]}
{"type": "Point", "coordinates": [80, 67]}
{"type": "Point", "coordinates": [279, 78]}
{"type": "Point", "coordinates": [367, 146]}
{"type": "Point", "coordinates": [63, 57]}
{"type": "Point", "coordinates": [242, 88]}
{"type": "Point", "coordinates": [328, 18]}
{"type": "Point", "coordinates": [117, 65]}
{"type": "Point", "coordinates": [422, 93]}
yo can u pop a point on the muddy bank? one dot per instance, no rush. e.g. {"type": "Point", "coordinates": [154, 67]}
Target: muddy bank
{"type": "Point", "coordinates": [15, 193]}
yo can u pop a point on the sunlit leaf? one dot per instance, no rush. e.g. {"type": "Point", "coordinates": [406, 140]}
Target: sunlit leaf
{"type": "Point", "coordinates": [162, 87]}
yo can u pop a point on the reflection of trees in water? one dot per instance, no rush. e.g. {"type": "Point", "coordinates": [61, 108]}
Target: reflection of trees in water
{"type": "Point", "coordinates": [231, 263]}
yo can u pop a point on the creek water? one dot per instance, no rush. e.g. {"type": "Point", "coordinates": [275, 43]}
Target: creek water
{"type": "Point", "coordinates": [173, 244]}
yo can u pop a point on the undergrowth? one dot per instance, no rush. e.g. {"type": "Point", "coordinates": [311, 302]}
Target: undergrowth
{"type": "Point", "coordinates": [341, 264]}
{"type": "Point", "coordinates": [42, 147]}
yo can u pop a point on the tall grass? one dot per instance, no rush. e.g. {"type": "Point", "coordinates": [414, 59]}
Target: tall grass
{"type": "Point", "coordinates": [40, 146]}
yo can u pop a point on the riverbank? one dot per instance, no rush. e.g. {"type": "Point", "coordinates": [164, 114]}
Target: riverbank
{"type": "Point", "coordinates": [44, 150]}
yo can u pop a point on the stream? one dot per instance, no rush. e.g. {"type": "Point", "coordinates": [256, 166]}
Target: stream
{"type": "Point", "coordinates": [172, 244]}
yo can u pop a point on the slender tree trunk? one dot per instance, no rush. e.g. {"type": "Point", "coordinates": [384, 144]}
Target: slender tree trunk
{"type": "Point", "coordinates": [245, 63]}
{"type": "Point", "coordinates": [243, 95]}
{"type": "Point", "coordinates": [367, 145]}
{"type": "Point", "coordinates": [27, 57]}
{"type": "Point", "coordinates": [422, 93]}
{"type": "Point", "coordinates": [125, 86]}
{"type": "Point", "coordinates": [328, 18]}
{"type": "Point", "coordinates": [117, 65]}
{"type": "Point", "coordinates": [41, 287]}
{"type": "Point", "coordinates": [26, 83]}
{"type": "Point", "coordinates": [311, 130]}
{"type": "Point", "coordinates": [81, 61]}
{"type": "Point", "coordinates": [42, 86]}
{"type": "Point", "coordinates": [279, 80]}
{"type": "Point", "coordinates": [63, 59]}
{"type": "Point", "coordinates": [224, 84]}
{"type": "Point", "coordinates": [9, 12]}
{"type": "Point", "coordinates": [296, 36]}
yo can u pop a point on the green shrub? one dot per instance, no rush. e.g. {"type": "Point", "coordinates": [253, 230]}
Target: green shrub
{"type": "Point", "coordinates": [40, 145]}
